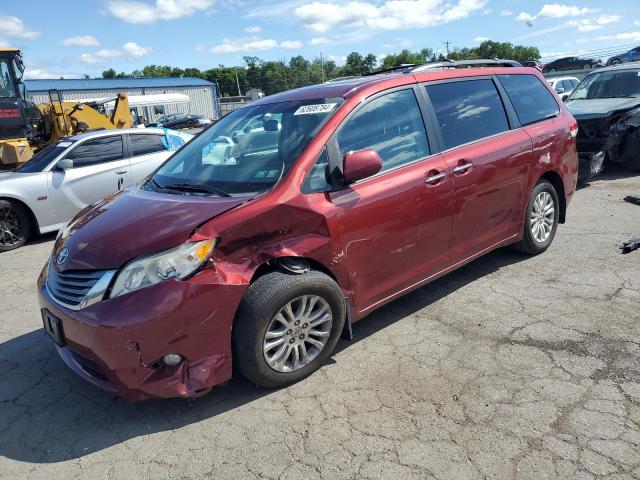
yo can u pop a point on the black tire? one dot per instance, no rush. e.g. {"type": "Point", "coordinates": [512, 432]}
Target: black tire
{"type": "Point", "coordinates": [15, 225]}
{"type": "Point", "coordinates": [529, 244]}
{"type": "Point", "coordinates": [615, 62]}
{"type": "Point", "coordinates": [191, 124]}
{"type": "Point", "coordinates": [263, 300]}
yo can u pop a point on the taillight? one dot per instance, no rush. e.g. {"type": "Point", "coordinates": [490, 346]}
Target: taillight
{"type": "Point", "coordinates": [573, 129]}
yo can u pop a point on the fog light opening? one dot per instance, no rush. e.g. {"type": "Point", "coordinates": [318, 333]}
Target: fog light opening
{"type": "Point", "coordinates": [172, 360]}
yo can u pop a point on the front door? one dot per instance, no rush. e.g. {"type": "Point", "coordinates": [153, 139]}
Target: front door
{"type": "Point", "coordinates": [395, 227]}
{"type": "Point", "coordinates": [489, 163]}
{"type": "Point", "coordinates": [100, 167]}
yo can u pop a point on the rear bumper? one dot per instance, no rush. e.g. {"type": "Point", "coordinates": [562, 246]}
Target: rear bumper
{"type": "Point", "coordinates": [117, 344]}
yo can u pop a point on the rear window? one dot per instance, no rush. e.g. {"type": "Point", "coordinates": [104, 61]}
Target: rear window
{"type": "Point", "coordinates": [144, 144]}
{"type": "Point", "coordinates": [467, 110]}
{"type": "Point", "coordinates": [530, 98]}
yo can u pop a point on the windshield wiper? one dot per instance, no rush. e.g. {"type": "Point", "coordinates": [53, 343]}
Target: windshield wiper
{"type": "Point", "coordinates": [188, 187]}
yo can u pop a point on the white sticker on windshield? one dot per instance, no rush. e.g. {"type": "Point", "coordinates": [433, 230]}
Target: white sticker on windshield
{"type": "Point", "coordinates": [65, 144]}
{"type": "Point", "coordinates": [319, 108]}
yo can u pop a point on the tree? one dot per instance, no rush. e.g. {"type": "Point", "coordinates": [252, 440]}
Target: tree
{"type": "Point", "coordinates": [111, 73]}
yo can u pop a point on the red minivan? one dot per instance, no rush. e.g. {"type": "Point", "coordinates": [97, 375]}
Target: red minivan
{"type": "Point", "coordinates": [268, 234]}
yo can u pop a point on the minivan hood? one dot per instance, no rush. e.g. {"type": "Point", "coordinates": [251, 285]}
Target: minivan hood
{"type": "Point", "coordinates": [600, 107]}
{"type": "Point", "coordinates": [133, 223]}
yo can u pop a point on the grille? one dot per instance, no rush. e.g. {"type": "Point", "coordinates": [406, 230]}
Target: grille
{"type": "Point", "coordinates": [89, 366]}
{"type": "Point", "coordinates": [592, 135]}
{"type": "Point", "coordinates": [72, 286]}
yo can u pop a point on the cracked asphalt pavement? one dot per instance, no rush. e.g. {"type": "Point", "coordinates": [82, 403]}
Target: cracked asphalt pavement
{"type": "Point", "coordinates": [512, 367]}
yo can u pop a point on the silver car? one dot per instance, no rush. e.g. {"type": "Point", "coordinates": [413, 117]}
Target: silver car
{"type": "Point", "coordinates": [44, 193]}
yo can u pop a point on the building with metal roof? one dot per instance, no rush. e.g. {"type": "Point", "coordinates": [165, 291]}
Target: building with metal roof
{"type": "Point", "coordinates": [203, 95]}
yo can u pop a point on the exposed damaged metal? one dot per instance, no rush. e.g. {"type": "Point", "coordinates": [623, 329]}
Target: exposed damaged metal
{"type": "Point", "coordinates": [607, 107]}
{"type": "Point", "coordinates": [630, 246]}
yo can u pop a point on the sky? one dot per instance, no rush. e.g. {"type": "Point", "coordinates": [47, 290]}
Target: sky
{"type": "Point", "coordinates": [72, 38]}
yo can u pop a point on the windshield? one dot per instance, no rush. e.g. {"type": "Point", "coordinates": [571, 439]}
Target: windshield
{"type": "Point", "coordinates": [247, 151]}
{"type": "Point", "coordinates": [43, 158]}
{"type": "Point", "coordinates": [7, 88]}
{"type": "Point", "coordinates": [615, 84]}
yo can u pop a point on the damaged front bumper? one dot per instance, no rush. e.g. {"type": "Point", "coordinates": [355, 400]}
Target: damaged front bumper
{"type": "Point", "coordinates": [117, 344]}
{"type": "Point", "coordinates": [591, 164]}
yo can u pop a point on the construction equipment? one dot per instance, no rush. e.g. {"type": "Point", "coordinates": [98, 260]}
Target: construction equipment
{"type": "Point", "coordinates": [25, 127]}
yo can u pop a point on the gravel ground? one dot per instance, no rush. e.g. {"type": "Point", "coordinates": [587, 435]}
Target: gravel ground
{"type": "Point", "coordinates": [511, 367]}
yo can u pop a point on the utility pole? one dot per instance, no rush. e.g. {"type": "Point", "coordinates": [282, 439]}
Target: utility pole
{"type": "Point", "coordinates": [322, 67]}
{"type": "Point", "coordinates": [238, 84]}
{"type": "Point", "coordinates": [446, 44]}
{"type": "Point", "coordinates": [284, 64]}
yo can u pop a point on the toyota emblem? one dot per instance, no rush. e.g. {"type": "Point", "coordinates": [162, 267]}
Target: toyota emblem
{"type": "Point", "coordinates": [62, 256]}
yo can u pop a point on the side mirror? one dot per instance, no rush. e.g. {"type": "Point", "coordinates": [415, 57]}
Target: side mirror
{"type": "Point", "coordinates": [360, 164]}
{"type": "Point", "coordinates": [65, 164]}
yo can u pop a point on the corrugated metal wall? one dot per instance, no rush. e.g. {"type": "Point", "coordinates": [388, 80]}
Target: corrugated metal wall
{"type": "Point", "coordinates": [202, 99]}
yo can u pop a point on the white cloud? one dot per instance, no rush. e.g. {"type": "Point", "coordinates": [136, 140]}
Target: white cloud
{"type": "Point", "coordinates": [321, 16]}
{"type": "Point", "coordinates": [140, 12]}
{"type": "Point", "coordinates": [135, 50]}
{"type": "Point", "coordinates": [632, 36]}
{"type": "Point", "coordinates": [555, 10]}
{"type": "Point", "coordinates": [101, 56]}
{"type": "Point", "coordinates": [129, 49]}
{"type": "Point", "coordinates": [252, 44]}
{"type": "Point", "coordinates": [253, 29]}
{"type": "Point", "coordinates": [480, 39]}
{"type": "Point", "coordinates": [13, 27]}
{"type": "Point", "coordinates": [319, 41]}
{"type": "Point", "coordinates": [339, 59]}
{"type": "Point", "coordinates": [589, 25]}
{"type": "Point", "coordinates": [81, 41]}
{"type": "Point", "coordinates": [506, 13]}
{"type": "Point", "coordinates": [38, 73]}
{"type": "Point", "coordinates": [291, 44]}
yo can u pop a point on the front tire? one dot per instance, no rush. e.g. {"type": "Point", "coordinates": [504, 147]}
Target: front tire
{"type": "Point", "coordinates": [15, 225]}
{"type": "Point", "coordinates": [287, 326]}
{"type": "Point", "coordinates": [541, 221]}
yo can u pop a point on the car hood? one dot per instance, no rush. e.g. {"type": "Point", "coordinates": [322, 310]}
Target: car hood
{"type": "Point", "coordinates": [133, 223]}
{"type": "Point", "coordinates": [9, 175]}
{"type": "Point", "coordinates": [600, 107]}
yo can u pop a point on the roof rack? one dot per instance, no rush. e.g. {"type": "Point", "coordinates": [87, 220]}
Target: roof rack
{"type": "Point", "coordinates": [488, 62]}
{"type": "Point", "coordinates": [405, 67]}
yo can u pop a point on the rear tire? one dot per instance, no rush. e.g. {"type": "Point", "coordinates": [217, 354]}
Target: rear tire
{"type": "Point", "coordinates": [264, 326]}
{"type": "Point", "coordinates": [541, 220]}
{"type": "Point", "coordinates": [15, 225]}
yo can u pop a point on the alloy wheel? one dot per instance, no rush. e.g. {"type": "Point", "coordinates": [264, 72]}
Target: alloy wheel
{"type": "Point", "coordinates": [542, 217]}
{"type": "Point", "coordinates": [297, 333]}
{"type": "Point", "coordinates": [11, 230]}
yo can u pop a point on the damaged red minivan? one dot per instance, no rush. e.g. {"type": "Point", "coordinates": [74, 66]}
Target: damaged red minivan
{"type": "Point", "coordinates": [268, 234]}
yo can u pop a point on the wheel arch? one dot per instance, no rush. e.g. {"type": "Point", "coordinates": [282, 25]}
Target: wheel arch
{"type": "Point", "coordinates": [22, 203]}
{"type": "Point", "coordinates": [556, 180]}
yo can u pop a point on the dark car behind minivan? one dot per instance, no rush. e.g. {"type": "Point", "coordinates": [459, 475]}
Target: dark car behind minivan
{"type": "Point", "coordinates": [260, 246]}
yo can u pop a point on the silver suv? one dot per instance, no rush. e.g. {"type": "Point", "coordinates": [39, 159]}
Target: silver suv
{"type": "Point", "coordinates": [60, 180]}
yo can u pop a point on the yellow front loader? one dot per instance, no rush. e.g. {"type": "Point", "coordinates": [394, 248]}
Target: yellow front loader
{"type": "Point", "coordinates": [25, 127]}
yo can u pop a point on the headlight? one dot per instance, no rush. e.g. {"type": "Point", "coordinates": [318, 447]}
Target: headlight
{"type": "Point", "coordinates": [179, 262]}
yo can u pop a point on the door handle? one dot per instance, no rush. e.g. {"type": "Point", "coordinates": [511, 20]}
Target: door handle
{"type": "Point", "coordinates": [462, 168]}
{"type": "Point", "coordinates": [433, 179]}
{"type": "Point", "coordinates": [120, 172]}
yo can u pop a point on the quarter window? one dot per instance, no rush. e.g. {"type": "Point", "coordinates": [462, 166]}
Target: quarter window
{"type": "Point", "coordinates": [467, 110]}
{"type": "Point", "coordinates": [391, 125]}
{"type": "Point", "coordinates": [530, 98]}
{"type": "Point", "coordinates": [99, 150]}
{"type": "Point", "coordinates": [144, 144]}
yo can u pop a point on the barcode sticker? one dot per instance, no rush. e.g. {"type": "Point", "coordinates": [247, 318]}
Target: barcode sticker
{"type": "Point", "coordinates": [319, 108]}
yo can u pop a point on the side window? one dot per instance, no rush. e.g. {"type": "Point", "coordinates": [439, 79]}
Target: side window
{"type": "Point", "coordinates": [531, 100]}
{"type": "Point", "coordinates": [142, 144]}
{"type": "Point", "coordinates": [391, 125]}
{"type": "Point", "coordinates": [316, 180]}
{"type": "Point", "coordinates": [568, 86]}
{"type": "Point", "coordinates": [467, 110]}
{"type": "Point", "coordinates": [99, 150]}
{"type": "Point", "coordinates": [559, 88]}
